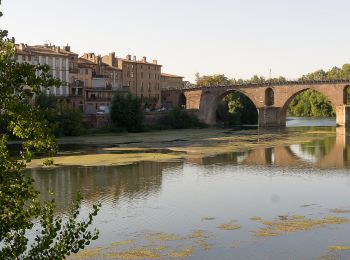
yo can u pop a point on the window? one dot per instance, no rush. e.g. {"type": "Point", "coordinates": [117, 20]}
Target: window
{"type": "Point", "coordinates": [86, 71]}
{"type": "Point", "coordinates": [141, 74]}
{"type": "Point", "coordinates": [269, 97]}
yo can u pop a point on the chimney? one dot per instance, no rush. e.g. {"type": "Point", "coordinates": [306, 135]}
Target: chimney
{"type": "Point", "coordinates": [155, 62]}
{"type": "Point", "coordinates": [57, 49]}
{"type": "Point", "coordinates": [134, 58]}
{"type": "Point", "coordinates": [111, 60]}
{"type": "Point", "coordinates": [66, 48]}
{"type": "Point", "coordinates": [144, 59]}
{"type": "Point", "coordinates": [128, 57]}
{"type": "Point", "coordinates": [99, 60]}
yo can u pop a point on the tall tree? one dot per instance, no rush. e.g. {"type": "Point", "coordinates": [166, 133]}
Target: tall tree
{"type": "Point", "coordinates": [20, 206]}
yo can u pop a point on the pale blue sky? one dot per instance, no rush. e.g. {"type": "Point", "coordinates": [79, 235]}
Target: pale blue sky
{"type": "Point", "coordinates": [237, 38]}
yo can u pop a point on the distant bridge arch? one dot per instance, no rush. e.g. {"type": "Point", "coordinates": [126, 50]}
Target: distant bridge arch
{"type": "Point", "coordinates": [270, 99]}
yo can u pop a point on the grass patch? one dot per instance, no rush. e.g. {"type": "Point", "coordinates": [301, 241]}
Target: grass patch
{"type": "Point", "coordinates": [290, 225]}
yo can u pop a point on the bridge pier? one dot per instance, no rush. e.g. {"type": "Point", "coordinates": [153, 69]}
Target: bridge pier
{"type": "Point", "coordinates": [343, 115]}
{"type": "Point", "coordinates": [270, 117]}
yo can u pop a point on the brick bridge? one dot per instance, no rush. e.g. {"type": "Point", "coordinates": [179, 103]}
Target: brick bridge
{"type": "Point", "coordinates": [270, 99]}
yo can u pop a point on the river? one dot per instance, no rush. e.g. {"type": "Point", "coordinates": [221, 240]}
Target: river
{"type": "Point", "coordinates": [275, 202]}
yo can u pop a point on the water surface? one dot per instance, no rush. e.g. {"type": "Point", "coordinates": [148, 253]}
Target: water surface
{"type": "Point", "coordinates": [180, 197]}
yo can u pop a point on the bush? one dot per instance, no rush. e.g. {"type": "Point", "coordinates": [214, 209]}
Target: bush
{"type": "Point", "coordinates": [126, 113]}
{"type": "Point", "coordinates": [179, 119]}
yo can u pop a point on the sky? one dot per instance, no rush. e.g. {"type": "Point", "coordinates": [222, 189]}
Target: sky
{"type": "Point", "coordinates": [231, 37]}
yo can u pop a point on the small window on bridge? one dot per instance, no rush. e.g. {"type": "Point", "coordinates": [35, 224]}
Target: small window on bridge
{"type": "Point", "coordinates": [269, 97]}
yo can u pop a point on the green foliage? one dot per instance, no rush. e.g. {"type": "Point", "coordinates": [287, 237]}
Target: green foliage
{"type": "Point", "coordinates": [314, 104]}
{"type": "Point", "coordinates": [311, 104]}
{"type": "Point", "coordinates": [178, 118]}
{"type": "Point", "coordinates": [64, 121]}
{"type": "Point", "coordinates": [126, 112]}
{"type": "Point", "coordinates": [20, 207]}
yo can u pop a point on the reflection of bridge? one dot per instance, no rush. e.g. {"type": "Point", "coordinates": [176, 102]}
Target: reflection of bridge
{"type": "Point", "coordinates": [270, 99]}
{"type": "Point", "coordinates": [283, 156]}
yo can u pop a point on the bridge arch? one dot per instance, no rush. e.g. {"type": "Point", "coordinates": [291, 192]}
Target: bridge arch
{"type": "Point", "coordinates": [210, 101]}
{"type": "Point", "coordinates": [284, 109]}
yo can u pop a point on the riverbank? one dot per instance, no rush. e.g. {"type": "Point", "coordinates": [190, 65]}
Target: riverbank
{"type": "Point", "coordinates": [191, 144]}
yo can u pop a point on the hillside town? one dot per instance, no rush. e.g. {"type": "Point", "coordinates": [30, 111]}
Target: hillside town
{"type": "Point", "coordinates": [89, 81]}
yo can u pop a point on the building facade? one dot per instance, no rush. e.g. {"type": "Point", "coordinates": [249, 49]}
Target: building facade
{"type": "Point", "coordinates": [89, 82]}
{"type": "Point", "coordinates": [169, 81]}
{"type": "Point", "coordinates": [58, 59]}
{"type": "Point", "coordinates": [143, 79]}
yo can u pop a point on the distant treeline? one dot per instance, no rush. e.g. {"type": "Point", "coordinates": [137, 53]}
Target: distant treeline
{"type": "Point", "coordinates": [238, 109]}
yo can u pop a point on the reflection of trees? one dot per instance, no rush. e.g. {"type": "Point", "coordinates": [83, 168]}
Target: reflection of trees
{"type": "Point", "coordinates": [226, 158]}
{"type": "Point", "coordinates": [318, 148]}
{"type": "Point", "coordinates": [94, 183]}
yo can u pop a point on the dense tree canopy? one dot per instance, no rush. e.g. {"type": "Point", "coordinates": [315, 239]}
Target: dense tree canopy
{"type": "Point", "coordinates": [64, 120]}
{"type": "Point", "coordinates": [20, 206]}
{"type": "Point", "coordinates": [126, 112]}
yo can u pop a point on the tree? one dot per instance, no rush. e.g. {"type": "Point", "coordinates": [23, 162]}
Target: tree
{"type": "Point", "coordinates": [20, 206]}
{"type": "Point", "coordinates": [64, 120]}
{"type": "Point", "coordinates": [126, 112]}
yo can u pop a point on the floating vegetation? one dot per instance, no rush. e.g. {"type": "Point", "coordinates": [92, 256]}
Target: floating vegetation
{"type": "Point", "coordinates": [182, 253]}
{"type": "Point", "coordinates": [122, 243]}
{"type": "Point", "coordinates": [339, 248]}
{"type": "Point", "coordinates": [229, 226]}
{"type": "Point", "coordinates": [289, 225]}
{"type": "Point", "coordinates": [208, 218]}
{"type": "Point", "coordinates": [162, 237]}
{"type": "Point", "coordinates": [297, 217]}
{"type": "Point", "coordinates": [135, 254]}
{"type": "Point", "coordinates": [340, 211]}
{"type": "Point", "coordinates": [255, 218]}
{"type": "Point", "coordinates": [88, 253]}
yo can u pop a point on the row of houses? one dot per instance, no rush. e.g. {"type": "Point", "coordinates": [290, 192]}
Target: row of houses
{"type": "Point", "coordinates": [89, 81]}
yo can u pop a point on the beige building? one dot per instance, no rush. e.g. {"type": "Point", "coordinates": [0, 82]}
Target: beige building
{"type": "Point", "coordinates": [59, 60]}
{"type": "Point", "coordinates": [169, 81]}
{"type": "Point", "coordinates": [143, 79]}
{"type": "Point", "coordinates": [63, 64]}
{"type": "Point", "coordinates": [106, 78]}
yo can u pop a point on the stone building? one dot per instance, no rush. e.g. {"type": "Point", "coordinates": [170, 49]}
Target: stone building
{"type": "Point", "coordinates": [169, 81]}
{"type": "Point", "coordinates": [142, 78]}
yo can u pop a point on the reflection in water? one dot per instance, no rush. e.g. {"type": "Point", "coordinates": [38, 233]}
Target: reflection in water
{"type": "Point", "coordinates": [325, 153]}
{"type": "Point", "coordinates": [100, 183]}
{"type": "Point", "coordinates": [174, 197]}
